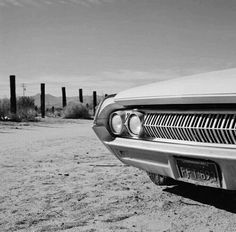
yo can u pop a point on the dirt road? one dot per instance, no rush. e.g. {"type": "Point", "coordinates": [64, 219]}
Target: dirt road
{"type": "Point", "coordinates": [57, 176]}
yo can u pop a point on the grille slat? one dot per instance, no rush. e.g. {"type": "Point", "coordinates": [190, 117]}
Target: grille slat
{"type": "Point", "coordinates": [204, 128]}
{"type": "Point", "coordinates": [161, 128]}
{"type": "Point", "coordinates": [177, 129]}
{"type": "Point", "coordinates": [218, 125]}
{"type": "Point", "coordinates": [232, 119]}
{"type": "Point", "coordinates": [171, 128]}
{"type": "Point", "coordinates": [167, 125]}
{"type": "Point", "coordinates": [184, 123]}
{"type": "Point", "coordinates": [204, 131]}
{"type": "Point", "coordinates": [210, 132]}
{"type": "Point", "coordinates": [151, 123]}
{"type": "Point", "coordinates": [192, 118]}
{"type": "Point", "coordinates": [224, 131]}
{"type": "Point", "coordinates": [195, 124]}
{"type": "Point", "coordinates": [199, 128]}
{"type": "Point", "coordinates": [215, 122]}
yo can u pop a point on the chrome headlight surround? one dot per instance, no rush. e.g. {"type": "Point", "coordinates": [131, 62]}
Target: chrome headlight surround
{"type": "Point", "coordinates": [120, 115]}
{"type": "Point", "coordinates": [134, 124]}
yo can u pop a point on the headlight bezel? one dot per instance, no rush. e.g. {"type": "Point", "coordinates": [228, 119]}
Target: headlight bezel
{"type": "Point", "coordinates": [122, 115]}
{"type": "Point", "coordinates": [140, 116]}
{"type": "Point", "coordinates": [126, 116]}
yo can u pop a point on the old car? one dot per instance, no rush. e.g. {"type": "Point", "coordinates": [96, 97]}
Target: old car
{"type": "Point", "coordinates": [182, 129]}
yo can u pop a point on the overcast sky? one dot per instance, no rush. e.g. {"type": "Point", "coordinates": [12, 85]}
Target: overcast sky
{"type": "Point", "coordinates": [111, 45]}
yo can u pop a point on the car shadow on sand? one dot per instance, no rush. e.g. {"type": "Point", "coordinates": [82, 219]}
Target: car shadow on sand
{"type": "Point", "coordinates": [221, 199]}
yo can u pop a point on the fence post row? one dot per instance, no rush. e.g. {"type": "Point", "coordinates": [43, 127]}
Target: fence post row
{"type": "Point", "coordinates": [42, 97]}
{"type": "Point", "coordinates": [63, 96]}
{"type": "Point", "coordinates": [94, 101]}
{"type": "Point", "coordinates": [81, 95]}
{"type": "Point", "coordinates": [42, 100]}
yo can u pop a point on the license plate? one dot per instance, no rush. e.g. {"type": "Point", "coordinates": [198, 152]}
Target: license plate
{"type": "Point", "coordinates": [198, 172]}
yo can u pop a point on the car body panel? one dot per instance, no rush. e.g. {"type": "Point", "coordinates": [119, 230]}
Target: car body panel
{"type": "Point", "coordinates": [212, 87]}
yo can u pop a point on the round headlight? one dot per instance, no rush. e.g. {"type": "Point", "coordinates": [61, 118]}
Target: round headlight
{"type": "Point", "coordinates": [116, 123]}
{"type": "Point", "coordinates": [135, 124]}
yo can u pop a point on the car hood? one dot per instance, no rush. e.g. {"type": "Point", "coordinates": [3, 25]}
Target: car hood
{"type": "Point", "coordinates": [206, 88]}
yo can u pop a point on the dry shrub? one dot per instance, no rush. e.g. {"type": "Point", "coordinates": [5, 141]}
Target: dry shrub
{"type": "Point", "coordinates": [25, 115]}
{"type": "Point", "coordinates": [4, 109]}
{"type": "Point", "coordinates": [25, 109]}
{"type": "Point", "coordinates": [25, 103]}
{"type": "Point", "coordinates": [76, 110]}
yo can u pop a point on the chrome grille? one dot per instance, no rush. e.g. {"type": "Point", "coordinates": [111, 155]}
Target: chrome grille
{"type": "Point", "coordinates": [205, 128]}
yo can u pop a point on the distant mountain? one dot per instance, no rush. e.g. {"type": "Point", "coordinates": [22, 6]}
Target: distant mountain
{"type": "Point", "coordinates": [51, 100]}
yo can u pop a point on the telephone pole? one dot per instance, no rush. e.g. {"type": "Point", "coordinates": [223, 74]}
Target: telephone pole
{"type": "Point", "coordinates": [23, 88]}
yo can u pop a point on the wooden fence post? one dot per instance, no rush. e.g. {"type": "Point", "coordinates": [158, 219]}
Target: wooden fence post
{"type": "Point", "coordinates": [13, 94]}
{"type": "Point", "coordinates": [81, 95]}
{"type": "Point", "coordinates": [42, 100]}
{"type": "Point", "coordinates": [94, 101]}
{"type": "Point", "coordinates": [63, 97]}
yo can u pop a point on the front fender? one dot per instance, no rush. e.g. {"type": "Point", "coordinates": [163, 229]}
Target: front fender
{"type": "Point", "coordinates": [100, 123]}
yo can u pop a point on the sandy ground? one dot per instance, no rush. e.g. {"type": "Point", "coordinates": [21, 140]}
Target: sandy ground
{"type": "Point", "coordinates": [57, 176]}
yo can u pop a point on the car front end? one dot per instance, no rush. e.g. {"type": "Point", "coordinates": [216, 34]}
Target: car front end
{"type": "Point", "coordinates": [175, 132]}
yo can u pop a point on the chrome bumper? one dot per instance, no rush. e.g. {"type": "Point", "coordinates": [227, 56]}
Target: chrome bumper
{"type": "Point", "coordinates": [160, 157]}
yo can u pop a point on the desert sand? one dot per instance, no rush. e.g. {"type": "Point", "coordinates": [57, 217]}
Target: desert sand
{"type": "Point", "coordinates": [57, 176]}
